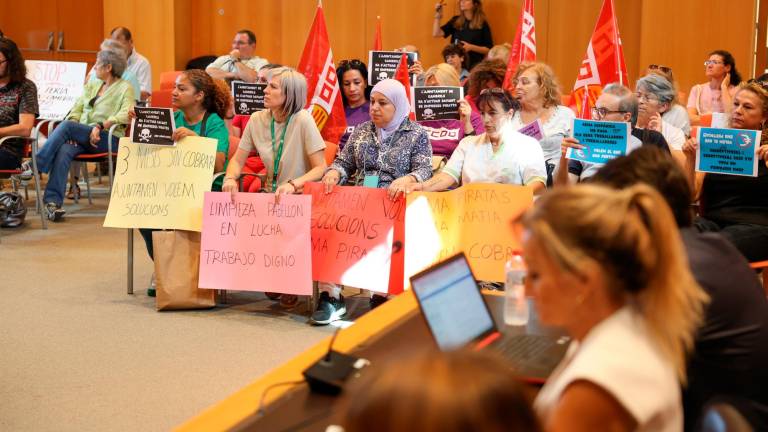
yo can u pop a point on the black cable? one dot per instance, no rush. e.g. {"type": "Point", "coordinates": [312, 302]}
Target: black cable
{"type": "Point", "coordinates": [260, 410]}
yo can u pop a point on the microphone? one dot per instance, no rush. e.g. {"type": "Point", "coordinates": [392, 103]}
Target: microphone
{"type": "Point", "coordinates": [328, 375]}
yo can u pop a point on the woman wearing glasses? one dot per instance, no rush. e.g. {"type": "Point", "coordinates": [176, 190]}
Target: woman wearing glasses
{"type": "Point", "coordinates": [655, 95]}
{"type": "Point", "coordinates": [105, 102]}
{"type": "Point", "coordinates": [715, 96]}
{"type": "Point", "coordinates": [499, 155]}
{"type": "Point", "coordinates": [388, 152]}
{"type": "Point", "coordinates": [355, 93]}
{"type": "Point", "coordinates": [737, 206]}
{"type": "Point", "coordinates": [676, 115]}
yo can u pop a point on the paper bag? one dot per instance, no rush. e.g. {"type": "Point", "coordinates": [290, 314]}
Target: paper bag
{"type": "Point", "coordinates": [177, 264]}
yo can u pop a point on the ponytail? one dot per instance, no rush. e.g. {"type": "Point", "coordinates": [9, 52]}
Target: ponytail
{"type": "Point", "coordinates": [216, 93]}
{"type": "Point", "coordinates": [633, 237]}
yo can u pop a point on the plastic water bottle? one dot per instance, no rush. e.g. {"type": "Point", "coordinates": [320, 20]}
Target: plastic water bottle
{"type": "Point", "coordinates": [515, 304]}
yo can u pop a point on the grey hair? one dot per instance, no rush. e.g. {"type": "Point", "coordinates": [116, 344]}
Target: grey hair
{"type": "Point", "coordinates": [658, 86]}
{"type": "Point", "coordinates": [118, 63]}
{"type": "Point", "coordinates": [627, 100]}
{"type": "Point", "coordinates": [114, 45]}
{"type": "Point", "coordinates": [294, 87]}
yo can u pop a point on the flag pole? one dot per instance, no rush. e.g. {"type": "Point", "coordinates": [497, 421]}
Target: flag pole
{"type": "Point", "coordinates": [618, 42]}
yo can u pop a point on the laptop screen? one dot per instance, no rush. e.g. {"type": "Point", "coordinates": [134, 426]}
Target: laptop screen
{"type": "Point", "coordinates": [452, 303]}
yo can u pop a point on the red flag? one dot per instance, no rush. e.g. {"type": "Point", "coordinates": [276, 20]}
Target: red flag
{"type": "Point", "coordinates": [524, 45]}
{"type": "Point", "coordinates": [377, 37]}
{"type": "Point", "coordinates": [603, 63]}
{"type": "Point", "coordinates": [401, 74]}
{"type": "Point", "coordinates": [323, 95]}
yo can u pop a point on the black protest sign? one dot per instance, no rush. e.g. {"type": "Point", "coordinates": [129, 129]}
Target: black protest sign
{"type": "Point", "coordinates": [153, 126]}
{"type": "Point", "coordinates": [437, 103]}
{"type": "Point", "coordinates": [249, 97]}
{"type": "Point", "coordinates": [383, 64]}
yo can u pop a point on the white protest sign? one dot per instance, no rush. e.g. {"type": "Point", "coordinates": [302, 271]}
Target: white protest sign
{"type": "Point", "coordinates": [59, 85]}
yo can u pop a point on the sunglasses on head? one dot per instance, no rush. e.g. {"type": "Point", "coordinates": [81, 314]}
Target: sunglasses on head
{"type": "Point", "coordinates": [763, 84]}
{"type": "Point", "coordinates": [662, 68]}
{"type": "Point", "coordinates": [350, 63]}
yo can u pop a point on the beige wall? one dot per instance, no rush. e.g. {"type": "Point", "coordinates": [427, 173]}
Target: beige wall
{"type": "Point", "coordinates": [677, 33]}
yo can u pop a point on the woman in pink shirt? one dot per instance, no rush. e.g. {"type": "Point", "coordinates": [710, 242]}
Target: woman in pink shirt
{"type": "Point", "coordinates": [717, 94]}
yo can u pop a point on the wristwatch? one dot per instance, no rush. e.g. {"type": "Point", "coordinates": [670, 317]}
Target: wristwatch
{"type": "Point", "coordinates": [295, 188]}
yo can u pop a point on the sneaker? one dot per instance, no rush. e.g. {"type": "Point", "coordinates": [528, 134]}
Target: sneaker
{"type": "Point", "coordinates": [152, 290]}
{"type": "Point", "coordinates": [377, 300]}
{"type": "Point", "coordinates": [26, 171]}
{"type": "Point", "coordinates": [54, 212]}
{"type": "Point", "coordinates": [328, 309]}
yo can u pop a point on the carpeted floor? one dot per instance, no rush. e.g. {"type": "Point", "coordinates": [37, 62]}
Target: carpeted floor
{"type": "Point", "coordinates": [79, 354]}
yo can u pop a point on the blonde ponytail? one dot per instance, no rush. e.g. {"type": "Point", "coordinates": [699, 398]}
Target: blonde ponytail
{"type": "Point", "coordinates": [633, 236]}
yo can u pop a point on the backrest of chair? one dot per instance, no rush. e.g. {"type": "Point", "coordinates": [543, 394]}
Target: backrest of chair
{"type": "Point", "coordinates": [168, 79]}
{"type": "Point", "coordinates": [330, 152]}
{"type": "Point", "coordinates": [161, 99]}
{"type": "Point", "coordinates": [705, 120]}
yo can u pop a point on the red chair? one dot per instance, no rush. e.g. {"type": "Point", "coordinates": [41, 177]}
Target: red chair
{"type": "Point", "coordinates": [161, 99]}
{"type": "Point", "coordinates": [168, 80]}
{"type": "Point", "coordinates": [107, 156]}
{"type": "Point", "coordinates": [763, 267]}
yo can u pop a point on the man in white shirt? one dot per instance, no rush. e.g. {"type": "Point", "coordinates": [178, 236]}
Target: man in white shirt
{"type": "Point", "coordinates": [241, 63]}
{"type": "Point", "coordinates": [137, 63]}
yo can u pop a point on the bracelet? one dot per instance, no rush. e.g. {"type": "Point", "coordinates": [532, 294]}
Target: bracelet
{"type": "Point", "coordinates": [295, 188]}
{"type": "Point", "coordinates": [230, 178]}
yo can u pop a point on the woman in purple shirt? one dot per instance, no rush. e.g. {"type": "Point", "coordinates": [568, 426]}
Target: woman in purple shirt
{"type": "Point", "coordinates": [355, 92]}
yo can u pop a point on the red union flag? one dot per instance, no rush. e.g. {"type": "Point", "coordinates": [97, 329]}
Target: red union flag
{"type": "Point", "coordinates": [323, 95]}
{"type": "Point", "coordinates": [401, 74]}
{"type": "Point", "coordinates": [377, 37]}
{"type": "Point", "coordinates": [524, 45]}
{"type": "Point", "coordinates": [603, 63]}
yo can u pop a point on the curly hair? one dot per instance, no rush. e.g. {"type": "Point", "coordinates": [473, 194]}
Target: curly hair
{"type": "Point", "coordinates": [17, 70]}
{"type": "Point", "coordinates": [547, 81]}
{"type": "Point", "coordinates": [217, 98]}
{"type": "Point", "coordinates": [483, 72]}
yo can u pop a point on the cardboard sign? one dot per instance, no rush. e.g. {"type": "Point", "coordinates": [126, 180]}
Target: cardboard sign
{"type": "Point", "coordinates": [383, 64]}
{"type": "Point", "coordinates": [533, 130]}
{"type": "Point", "coordinates": [603, 140]}
{"type": "Point", "coordinates": [436, 103]}
{"type": "Point", "coordinates": [59, 85]}
{"type": "Point", "coordinates": [727, 151]}
{"type": "Point", "coordinates": [161, 186]}
{"type": "Point", "coordinates": [255, 243]}
{"type": "Point", "coordinates": [352, 231]}
{"type": "Point", "coordinates": [474, 218]}
{"type": "Point", "coordinates": [153, 126]}
{"type": "Point", "coordinates": [249, 97]}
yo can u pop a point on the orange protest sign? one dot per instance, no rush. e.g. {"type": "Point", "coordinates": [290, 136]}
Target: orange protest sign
{"type": "Point", "coordinates": [352, 229]}
{"type": "Point", "coordinates": [474, 219]}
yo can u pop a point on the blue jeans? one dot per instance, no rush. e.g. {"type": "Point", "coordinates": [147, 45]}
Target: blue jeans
{"type": "Point", "coordinates": [57, 154]}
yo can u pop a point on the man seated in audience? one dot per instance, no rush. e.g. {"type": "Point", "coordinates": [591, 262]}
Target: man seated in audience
{"type": "Point", "coordinates": [617, 103]}
{"type": "Point", "coordinates": [241, 63]}
{"type": "Point", "coordinates": [447, 392]}
{"type": "Point", "coordinates": [730, 355]}
{"type": "Point", "coordinates": [137, 63]}
{"type": "Point", "coordinates": [18, 104]}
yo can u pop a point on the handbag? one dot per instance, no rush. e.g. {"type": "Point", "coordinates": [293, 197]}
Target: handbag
{"type": "Point", "coordinates": [177, 265]}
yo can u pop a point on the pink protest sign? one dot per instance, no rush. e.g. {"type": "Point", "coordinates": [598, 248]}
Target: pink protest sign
{"type": "Point", "coordinates": [352, 231]}
{"type": "Point", "coordinates": [256, 244]}
{"type": "Point", "coordinates": [533, 130]}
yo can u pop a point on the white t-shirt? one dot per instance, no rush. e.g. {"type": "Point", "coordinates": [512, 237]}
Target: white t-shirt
{"type": "Point", "coordinates": [678, 116]}
{"type": "Point", "coordinates": [518, 161]}
{"type": "Point", "coordinates": [619, 355]}
{"type": "Point", "coordinates": [139, 65]}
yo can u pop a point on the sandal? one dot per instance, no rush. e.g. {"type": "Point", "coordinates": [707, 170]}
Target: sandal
{"type": "Point", "coordinates": [74, 192]}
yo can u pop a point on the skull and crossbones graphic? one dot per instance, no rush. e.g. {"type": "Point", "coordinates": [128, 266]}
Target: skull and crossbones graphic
{"type": "Point", "coordinates": [144, 135]}
{"type": "Point", "coordinates": [429, 114]}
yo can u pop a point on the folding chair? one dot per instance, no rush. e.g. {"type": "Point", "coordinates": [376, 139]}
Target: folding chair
{"type": "Point", "coordinates": [98, 158]}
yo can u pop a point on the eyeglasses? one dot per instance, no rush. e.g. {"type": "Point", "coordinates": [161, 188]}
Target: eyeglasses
{"type": "Point", "coordinates": [665, 69]}
{"type": "Point", "coordinates": [351, 63]}
{"type": "Point", "coordinates": [712, 62]}
{"type": "Point", "coordinates": [646, 96]}
{"type": "Point", "coordinates": [600, 113]}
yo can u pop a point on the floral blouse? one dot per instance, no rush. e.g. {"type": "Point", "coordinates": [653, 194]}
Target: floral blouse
{"type": "Point", "coordinates": [407, 151]}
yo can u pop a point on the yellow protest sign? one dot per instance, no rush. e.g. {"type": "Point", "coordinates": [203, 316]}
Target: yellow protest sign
{"type": "Point", "coordinates": [474, 219]}
{"type": "Point", "coordinates": [161, 186]}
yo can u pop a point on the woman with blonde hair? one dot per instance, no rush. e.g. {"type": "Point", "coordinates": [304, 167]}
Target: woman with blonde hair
{"type": "Point", "coordinates": [610, 268]}
{"type": "Point", "coordinates": [469, 29]}
{"type": "Point", "coordinates": [500, 52]}
{"type": "Point", "coordinates": [538, 91]}
{"type": "Point", "coordinates": [445, 135]}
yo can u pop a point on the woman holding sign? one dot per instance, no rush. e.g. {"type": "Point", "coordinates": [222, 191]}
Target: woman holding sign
{"type": "Point", "coordinates": [391, 152]}
{"type": "Point", "coordinates": [735, 205]}
{"type": "Point", "coordinates": [105, 102]}
{"type": "Point", "coordinates": [500, 155]}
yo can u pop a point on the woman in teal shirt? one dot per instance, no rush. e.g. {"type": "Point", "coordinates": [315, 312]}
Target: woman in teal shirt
{"type": "Point", "coordinates": [200, 107]}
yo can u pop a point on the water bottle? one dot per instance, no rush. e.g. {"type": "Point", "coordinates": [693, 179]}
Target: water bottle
{"type": "Point", "coordinates": [515, 304]}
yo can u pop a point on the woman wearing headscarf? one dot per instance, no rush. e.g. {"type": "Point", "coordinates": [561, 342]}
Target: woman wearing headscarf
{"type": "Point", "coordinates": [390, 151]}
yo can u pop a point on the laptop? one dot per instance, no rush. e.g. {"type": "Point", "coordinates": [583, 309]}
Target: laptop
{"type": "Point", "coordinates": [457, 316]}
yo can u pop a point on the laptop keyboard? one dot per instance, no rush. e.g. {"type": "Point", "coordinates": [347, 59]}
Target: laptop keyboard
{"type": "Point", "coordinates": [523, 347]}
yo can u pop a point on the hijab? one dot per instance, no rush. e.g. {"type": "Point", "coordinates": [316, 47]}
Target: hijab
{"type": "Point", "coordinates": [395, 92]}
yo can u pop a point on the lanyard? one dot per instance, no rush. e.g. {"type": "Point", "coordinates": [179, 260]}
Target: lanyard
{"type": "Point", "coordinates": [277, 154]}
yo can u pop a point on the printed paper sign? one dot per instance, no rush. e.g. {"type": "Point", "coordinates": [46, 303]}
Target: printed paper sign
{"type": "Point", "coordinates": [437, 103]}
{"type": "Point", "coordinates": [352, 232]}
{"type": "Point", "coordinates": [153, 126]}
{"type": "Point", "coordinates": [474, 218]}
{"type": "Point", "coordinates": [533, 130]}
{"type": "Point", "coordinates": [603, 140]}
{"type": "Point", "coordinates": [249, 97]}
{"type": "Point", "coordinates": [161, 186]}
{"type": "Point", "coordinates": [255, 243]}
{"type": "Point", "coordinates": [59, 85]}
{"type": "Point", "coordinates": [727, 151]}
{"type": "Point", "coordinates": [383, 64]}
